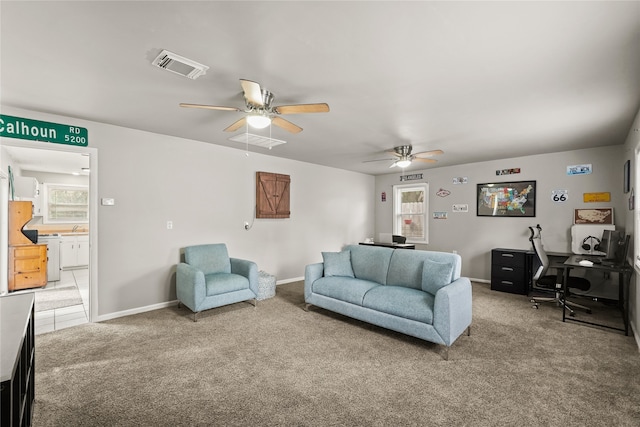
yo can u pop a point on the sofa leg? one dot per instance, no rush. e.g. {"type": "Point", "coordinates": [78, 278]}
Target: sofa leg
{"type": "Point", "coordinates": [306, 306]}
{"type": "Point", "coordinates": [195, 316]}
{"type": "Point", "coordinates": [445, 353]}
{"type": "Point", "coordinates": [469, 331]}
{"type": "Point", "coordinates": [255, 302]}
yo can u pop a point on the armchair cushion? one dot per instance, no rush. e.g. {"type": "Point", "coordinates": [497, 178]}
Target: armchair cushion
{"type": "Point", "coordinates": [209, 259]}
{"type": "Point", "coordinates": [222, 283]}
{"type": "Point", "coordinates": [337, 264]}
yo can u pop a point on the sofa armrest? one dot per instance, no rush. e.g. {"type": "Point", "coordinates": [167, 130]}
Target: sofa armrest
{"type": "Point", "coordinates": [248, 269]}
{"type": "Point", "coordinates": [190, 285]}
{"type": "Point", "coordinates": [452, 311]}
{"type": "Point", "coordinates": [312, 272]}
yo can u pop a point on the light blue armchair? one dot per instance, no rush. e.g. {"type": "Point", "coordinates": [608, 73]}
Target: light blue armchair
{"type": "Point", "coordinates": [209, 278]}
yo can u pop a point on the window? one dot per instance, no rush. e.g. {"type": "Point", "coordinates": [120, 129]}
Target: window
{"type": "Point", "coordinates": [410, 207]}
{"type": "Point", "coordinates": [66, 203]}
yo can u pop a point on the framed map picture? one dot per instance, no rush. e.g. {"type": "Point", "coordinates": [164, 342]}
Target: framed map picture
{"type": "Point", "coordinates": [593, 216]}
{"type": "Point", "coordinates": [507, 199]}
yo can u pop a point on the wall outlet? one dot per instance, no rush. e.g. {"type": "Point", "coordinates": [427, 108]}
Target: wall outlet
{"type": "Point", "coordinates": [169, 225]}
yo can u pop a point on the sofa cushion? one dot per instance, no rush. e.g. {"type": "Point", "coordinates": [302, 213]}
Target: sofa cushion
{"type": "Point", "coordinates": [337, 264]}
{"type": "Point", "coordinates": [370, 262]}
{"type": "Point", "coordinates": [400, 301]}
{"type": "Point", "coordinates": [435, 275]}
{"type": "Point", "coordinates": [221, 283]}
{"type": "Point", "coordinates": [343, 288]}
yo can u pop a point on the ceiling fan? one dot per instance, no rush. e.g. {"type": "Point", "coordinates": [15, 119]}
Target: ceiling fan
{"type": "Point", "coordinates": [403, 156]}
{"type": "Point", "coordinates": [259, 111]}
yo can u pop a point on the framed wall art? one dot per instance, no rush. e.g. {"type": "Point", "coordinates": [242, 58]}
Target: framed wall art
{"type": "Point", "coordinates": [507, 199]}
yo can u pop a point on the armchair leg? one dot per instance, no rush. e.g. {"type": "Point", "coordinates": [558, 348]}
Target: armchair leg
{"type": "Point", "coordinates": [195, 316]}
{"type": "Point", "coordinates": [469, 331]}
{"type": "Point", "coordinates": [306, 306]}
{"type": "Point", "coordinates": [254, 302]}
{"type": "Point", "coordinates": [445, 353]}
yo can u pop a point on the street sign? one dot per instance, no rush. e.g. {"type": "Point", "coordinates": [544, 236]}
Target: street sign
{"type": "Point", "coordinates": [36, 130]}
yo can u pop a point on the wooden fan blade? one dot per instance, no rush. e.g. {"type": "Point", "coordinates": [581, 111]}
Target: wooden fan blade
{"type": "Point", "coordinates": [237, 125]}
{"type": "Point", "coordinates": [285, 124]}
{"type": "Point", "coordinates": [209, 107]}
{"type": "Point", "coordinates": [419, 159]}
{"type": "Point", "coordinates": [302, 108]}
{"type": "Point", "coordinates": [252, 92]}
{"type": "Point", "coordinates": [429, 153]}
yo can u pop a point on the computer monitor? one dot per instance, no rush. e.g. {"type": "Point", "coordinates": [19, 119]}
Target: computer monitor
{"type": "Point", "coordinates": [613, 245]}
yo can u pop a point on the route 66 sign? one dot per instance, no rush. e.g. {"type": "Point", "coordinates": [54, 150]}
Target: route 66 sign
{"type": "Point", "coordinates": [560, 196]}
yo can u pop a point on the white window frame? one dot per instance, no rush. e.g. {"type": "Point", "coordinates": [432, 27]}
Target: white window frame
{"type": "Point", "coordinates": [45, 205]}
{"type": "Point", "coordinates": [423, 216]}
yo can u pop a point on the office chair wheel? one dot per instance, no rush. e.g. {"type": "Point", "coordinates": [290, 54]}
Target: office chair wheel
{"type": "Point", "coordinates": [534, 306]}
{"type": "Point", "coordinates": [572, 314]}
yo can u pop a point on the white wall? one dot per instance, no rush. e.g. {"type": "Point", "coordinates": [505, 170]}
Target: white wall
{"type": "Point", "coordinates": [208, 191]}
{"type": "Point", "coordinates": [474, 237]}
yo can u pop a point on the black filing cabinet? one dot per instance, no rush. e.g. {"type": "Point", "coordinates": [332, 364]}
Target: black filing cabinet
{"type": "Point", "coordinates": [511, 270]}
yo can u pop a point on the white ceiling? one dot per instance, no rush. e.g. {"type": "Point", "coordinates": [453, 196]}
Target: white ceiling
{"type": "Point", "coordinates": [478, 80]}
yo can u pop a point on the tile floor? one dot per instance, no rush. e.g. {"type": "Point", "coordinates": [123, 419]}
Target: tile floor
{"type": "Point", "coordinates": [65, 317]}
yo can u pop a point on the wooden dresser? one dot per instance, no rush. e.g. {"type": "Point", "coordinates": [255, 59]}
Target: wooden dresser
{"type": "Point", "coordinates": [27, 261]}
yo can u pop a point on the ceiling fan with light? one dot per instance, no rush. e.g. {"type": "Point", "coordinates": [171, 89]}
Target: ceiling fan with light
{"type": "Point", "coordinates": [259, 111]}
{"type": "Point", "coordinates": [403, 156]}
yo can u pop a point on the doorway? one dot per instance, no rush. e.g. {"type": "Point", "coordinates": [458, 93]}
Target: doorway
{"type": "Point", "coordinates": [51, 160]}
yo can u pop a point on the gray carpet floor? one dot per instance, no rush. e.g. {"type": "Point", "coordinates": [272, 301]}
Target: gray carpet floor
{"type": "Point", "coordinates": [277, 365]}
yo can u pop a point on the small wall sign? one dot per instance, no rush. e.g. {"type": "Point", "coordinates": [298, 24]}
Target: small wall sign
{"type": "Point", "coordinates": [442, 192]}
{"type": "Point", "coordinates": [596, 197]}
{"type": "Point", "coordinates": [383, 196]}
{"type": "Point", "coordinates": [411, 177]}
{"type": "Point", "coordinates": [460, 180]}
{"type": "Point", "coordinates": [460, 208]}
{"type": "Point", "coordinates": [579, 169]}
{"type": "Point", "coordinates": [439, 215]}
{"type": "Point", "coordinates": [508, 171]}
{"type": "Point", "coordinates": [560, 196]}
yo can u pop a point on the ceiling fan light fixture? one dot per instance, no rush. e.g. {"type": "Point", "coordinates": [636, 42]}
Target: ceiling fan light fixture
{"type": "Point", "coordinates": [403, 163]}
{"type": "Point", "coordinates": [258, 121]}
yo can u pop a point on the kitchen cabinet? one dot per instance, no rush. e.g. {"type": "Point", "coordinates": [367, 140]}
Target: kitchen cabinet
{"type": "Point", "coordinates": [28, 189]}
{"type": "Point", "coordinates": [74, 251]}
{"type": "Point", "coordinates": [27, 261]}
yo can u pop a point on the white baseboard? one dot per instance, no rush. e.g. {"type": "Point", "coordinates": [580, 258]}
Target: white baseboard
{"type": "Point", "coordinates": [294, 279]}
{"type": "Point", "coordinates": [152, 307]}
{"type": "Point", "coordinates": [138, 310]}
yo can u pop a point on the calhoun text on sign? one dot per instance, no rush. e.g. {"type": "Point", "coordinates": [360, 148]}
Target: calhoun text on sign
{"type": "Point", "coordinates": [36, 130]}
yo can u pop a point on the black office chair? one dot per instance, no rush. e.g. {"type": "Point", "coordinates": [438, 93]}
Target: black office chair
{"type": "Point", "coordinates": [553, 283]}
{"type": "Point", "coordinates": [398, 239]}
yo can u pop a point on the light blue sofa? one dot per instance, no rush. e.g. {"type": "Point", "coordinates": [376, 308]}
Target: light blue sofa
{"type": "Point", "coordinates": [209, 278]}
{"type": "Point", "coordinates": [418, 293]}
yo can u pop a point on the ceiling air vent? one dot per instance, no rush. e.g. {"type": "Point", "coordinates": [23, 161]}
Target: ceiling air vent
{"type": "Point", "coordinates": [257, 140]}
{"type": "Point", "coordinates": [180, 65]}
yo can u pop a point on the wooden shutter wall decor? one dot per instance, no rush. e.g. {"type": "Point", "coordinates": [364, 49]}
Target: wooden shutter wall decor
{"type": "Point", "coordinates": [272, 195]}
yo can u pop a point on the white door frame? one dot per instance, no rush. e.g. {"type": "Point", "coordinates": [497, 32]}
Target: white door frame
{"type": "Point", "coordinates": [93, 208]}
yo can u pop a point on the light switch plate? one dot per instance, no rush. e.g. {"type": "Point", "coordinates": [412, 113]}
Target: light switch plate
{"type": "Point", "coordinates": [108, 202]}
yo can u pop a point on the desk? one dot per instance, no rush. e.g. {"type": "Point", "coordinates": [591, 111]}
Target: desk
{"type": "Point", "coordinates": [391, 245]}
{"type": "Point", "coordinates": [624, 276]}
